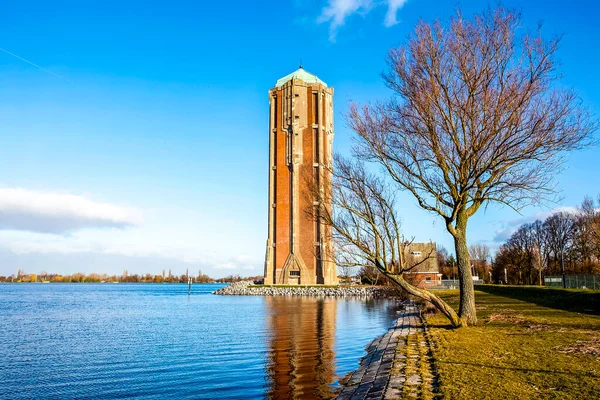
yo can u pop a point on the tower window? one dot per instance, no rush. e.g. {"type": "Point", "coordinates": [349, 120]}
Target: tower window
{"type": "Point", "coordinates": [275, 112]}
{"type": "Point", "coordinates": [317, 227]}
{"type": "Point", "coordinates": [294, 273]}
{"type": "Point", "coordinates": [315, 145]}
{"type": "Point", "coordinates": [315, 108]}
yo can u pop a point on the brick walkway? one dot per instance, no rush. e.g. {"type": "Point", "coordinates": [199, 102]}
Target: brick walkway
{"type": "Point", "coordinates": [402, 351]}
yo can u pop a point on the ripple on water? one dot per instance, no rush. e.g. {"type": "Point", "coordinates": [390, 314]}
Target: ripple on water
{"type": "Point", "coordinates": [154, 341]}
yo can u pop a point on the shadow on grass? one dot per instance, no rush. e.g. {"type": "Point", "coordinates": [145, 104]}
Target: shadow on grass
{"type": "Point", "coordinates": [527, 370]}
{"type": "Point", "coordinates": [446, 327]}
{"type": "Point", "coordinates": [575, 300]}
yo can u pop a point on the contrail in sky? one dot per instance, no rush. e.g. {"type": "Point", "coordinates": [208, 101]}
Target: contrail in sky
{"type": "Point", "coordinates": [35, 65]}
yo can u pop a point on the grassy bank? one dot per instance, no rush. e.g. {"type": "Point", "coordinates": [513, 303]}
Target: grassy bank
{"type": "Point", "coordinates": [520, 349]}
{"type": "Point", "coordinates": [578, 300]}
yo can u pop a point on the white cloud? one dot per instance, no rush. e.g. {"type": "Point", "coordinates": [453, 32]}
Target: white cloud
{"type": "Point", "coordinates": [201, 238]}
{"type": "Point", "coordinates": [128, 253]}
{"type": "Point", "coordinates": [59, 213]}
{"type": "Point", "coordinates": [237, 263]}
{"type": "Point", "coordinates": [337, 11]}
{"type": "Point", "coordinates": [503, 233]}
{"type": "Point", "coordinates": [393, 7]}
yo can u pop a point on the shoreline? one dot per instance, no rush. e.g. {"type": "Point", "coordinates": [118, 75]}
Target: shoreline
{"type": "Point", "coordinates": [398, 363]}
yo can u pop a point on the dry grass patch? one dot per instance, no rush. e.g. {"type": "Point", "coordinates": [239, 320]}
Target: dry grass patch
{"type": "Point", "coordinates": [519, 350]}
{"type": "Point", "coordinates": [511, 319]}
{"type": "Point", "coordinates": [588, 347]}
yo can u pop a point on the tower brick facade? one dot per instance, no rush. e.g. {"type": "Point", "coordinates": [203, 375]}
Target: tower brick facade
{"type": "Point", "coordinates": [299, 248]}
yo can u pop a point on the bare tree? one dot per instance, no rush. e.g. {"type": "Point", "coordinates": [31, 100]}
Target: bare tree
{"type": "Point", "coordinates": [347, 271]}
{"type": "Point", "coordinates": [561, 229]}
{"type": "Point", "coordinates": [444, 262]}
{"type": "Point", "coordinates": [540, 242]}
{"type": "Point", "coordinates": [595, 229]}
{"type": "Point", "coordinates": [474, 119]}
{"type": "Point", "coordinates": [360, 209]}
{"type": "Point", "coordinates": [566, 239]}
{"type": "Point", "coordinates": [480, 254]}
{"type": "Point", "coordinates": [587, 239]}
{"type": "Point", "coordinates": [516, 256]}
{"type": "Point", "coordinates": [370, 274]}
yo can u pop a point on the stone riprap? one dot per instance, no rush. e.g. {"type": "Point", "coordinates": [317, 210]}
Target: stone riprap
{"type": "Point", "coordinates": [397, 364]}
{"type": "Point", "coordinates": [246, 288]}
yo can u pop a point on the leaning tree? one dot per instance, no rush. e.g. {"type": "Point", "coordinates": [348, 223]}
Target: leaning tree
{"type": "Point", "coordinates": [474, 119]}
{"type": "Point", "coordinates": [359, 209]}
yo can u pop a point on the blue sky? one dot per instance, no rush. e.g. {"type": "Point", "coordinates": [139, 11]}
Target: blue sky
{"type": "Point", "coordinates": [138, 140]}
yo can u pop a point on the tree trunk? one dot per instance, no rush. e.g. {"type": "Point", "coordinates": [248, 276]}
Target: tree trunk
{"type": "Point", "coordinates": [466, 310]}
{"type": "Point", "coordinates": [428, 296]}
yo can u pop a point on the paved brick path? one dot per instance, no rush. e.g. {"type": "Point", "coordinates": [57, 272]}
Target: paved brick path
{"type": "Point", "coordinates": [402, 351]}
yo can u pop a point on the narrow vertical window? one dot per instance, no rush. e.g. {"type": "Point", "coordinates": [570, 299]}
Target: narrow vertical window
{"type": "Point", "coordinates": [274, 209]}
{"type": "Point", "coordinates": [315, 108]}
{"type": "Point", "coordinates": [275, 148]}
{"type": "Point", "coordinates": [316, 164]}
{"type": "Point", "coordinates": [288, 148]}
{"type": "Point", "coordinates": [317, 227]}
{"type": "Point", "coordinates": [315, 145]}
{"type": "Point", "coordinates": [275, 112]}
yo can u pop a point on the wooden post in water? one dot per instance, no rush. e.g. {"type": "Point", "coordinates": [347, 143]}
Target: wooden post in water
{"type": "Point", "coordinates": [189, 285]}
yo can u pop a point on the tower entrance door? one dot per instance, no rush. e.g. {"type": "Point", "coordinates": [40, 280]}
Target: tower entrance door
{"type": "Point", "coordinates": [294, 278]}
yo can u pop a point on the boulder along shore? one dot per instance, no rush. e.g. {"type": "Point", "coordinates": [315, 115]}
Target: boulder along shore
{"type": "Point", "coordinates": [246, 288]}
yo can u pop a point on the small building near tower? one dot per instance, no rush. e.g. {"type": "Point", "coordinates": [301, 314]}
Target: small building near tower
{"type": "Point", "coordinates": [299, 247]}
{"type": "Point", "coordinates": [426, 270]}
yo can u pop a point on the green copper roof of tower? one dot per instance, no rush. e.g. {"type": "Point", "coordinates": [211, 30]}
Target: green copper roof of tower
{"type": "Point", "coordinates": [302, 75]}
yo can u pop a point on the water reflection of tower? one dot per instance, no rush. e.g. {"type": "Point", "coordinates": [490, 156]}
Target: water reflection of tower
{"type": "Point", "coordinates": [302, 347]}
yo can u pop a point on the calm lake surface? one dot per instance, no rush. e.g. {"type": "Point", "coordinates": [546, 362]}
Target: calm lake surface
{"type": "Point", "coordinates": [154, 341]}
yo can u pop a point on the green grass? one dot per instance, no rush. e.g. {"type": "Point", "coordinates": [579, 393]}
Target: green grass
{"type": "Point", "coordinates": [519, 349]}
{"type": "Point", "coordinates": [578, 300]}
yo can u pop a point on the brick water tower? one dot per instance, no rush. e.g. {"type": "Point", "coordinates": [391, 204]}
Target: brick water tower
{"type": "Point", "coordinates": [299, 248]}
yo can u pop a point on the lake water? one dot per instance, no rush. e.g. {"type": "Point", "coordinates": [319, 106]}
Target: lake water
{"type": "Point", "coordinates": [151, 341]}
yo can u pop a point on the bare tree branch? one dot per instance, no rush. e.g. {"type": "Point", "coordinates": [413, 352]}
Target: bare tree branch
{"type": "Point", "coordinates": [360, 209]}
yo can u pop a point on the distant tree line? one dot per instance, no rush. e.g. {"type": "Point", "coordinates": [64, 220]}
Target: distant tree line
{"type": "Point", "coordinates": [238, 278]}
{"type": "Point", "coordinates": [78, 277]}
{"type": "Point", "coordinates": [541, 248]}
